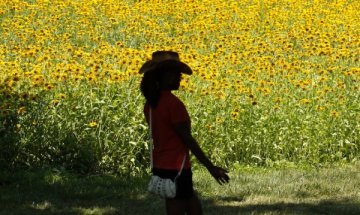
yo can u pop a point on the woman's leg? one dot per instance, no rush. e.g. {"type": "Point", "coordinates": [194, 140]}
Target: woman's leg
{"type": "Point", "coordinates": [187, 202]}
{"type": "Point", "coordinates": [176, 206]}
{"type": "Point", "coordinates": [194, 206]}
{"type": "Point", "coordinates": [191, 206]}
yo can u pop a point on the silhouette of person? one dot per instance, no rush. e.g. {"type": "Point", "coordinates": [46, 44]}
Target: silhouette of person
{"type": "Point", "coordinates": [171, 131]}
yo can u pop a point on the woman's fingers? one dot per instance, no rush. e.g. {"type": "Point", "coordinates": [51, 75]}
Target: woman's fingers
{"type": "Point", "coordinates": [220, 175]}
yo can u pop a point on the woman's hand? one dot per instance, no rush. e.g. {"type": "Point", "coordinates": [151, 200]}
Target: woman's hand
{"type": "Point", "coordinates": [219, 174]}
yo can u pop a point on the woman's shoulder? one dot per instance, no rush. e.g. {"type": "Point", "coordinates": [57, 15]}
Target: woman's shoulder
{"type": "Point", "coordinates": [168, 96]}
{"type": "Point", "coordinates": [174, 100]}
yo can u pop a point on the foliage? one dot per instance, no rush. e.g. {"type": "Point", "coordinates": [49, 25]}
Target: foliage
{"type": "Point", "coordinates": [275, 81]}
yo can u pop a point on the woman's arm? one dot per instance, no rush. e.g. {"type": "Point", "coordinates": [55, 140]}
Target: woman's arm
{"type": "Point", "coordinates": [184, 132]}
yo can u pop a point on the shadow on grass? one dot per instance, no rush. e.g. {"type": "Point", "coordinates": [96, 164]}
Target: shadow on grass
{"type": "Point", "coordinates": [50, 192]}
{"type": "Point", "coordinates": [338, 206]}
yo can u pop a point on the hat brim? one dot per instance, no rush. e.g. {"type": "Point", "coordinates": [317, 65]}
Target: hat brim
{"type": "Point", "coordinates": [174, 66]}
{"type": "Point", "coordinates": [147, 66]}
{"type": "Point", "coordinates": [166, 65]}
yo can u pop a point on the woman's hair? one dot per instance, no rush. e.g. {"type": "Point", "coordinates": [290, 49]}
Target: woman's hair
{"type": "Point", "coordinates": [150, 87]}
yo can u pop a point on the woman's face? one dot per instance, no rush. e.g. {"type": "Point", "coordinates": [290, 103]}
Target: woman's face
{"type": "Point", "coordinates": [171, 80]}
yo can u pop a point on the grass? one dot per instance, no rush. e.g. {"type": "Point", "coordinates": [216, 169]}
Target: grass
{"type": "Point", "coordinates": [326, 190]}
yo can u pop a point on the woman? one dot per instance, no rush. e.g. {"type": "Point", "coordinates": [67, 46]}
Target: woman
{"type": "Point", "coordinates": [171, 132]}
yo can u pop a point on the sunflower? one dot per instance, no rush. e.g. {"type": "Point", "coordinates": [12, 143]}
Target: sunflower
{"type": "Point", "coordinates": [92, 124]}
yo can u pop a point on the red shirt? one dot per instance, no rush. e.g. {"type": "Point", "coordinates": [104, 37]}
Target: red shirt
{"type": "Point", "coordinates": [169, 150]}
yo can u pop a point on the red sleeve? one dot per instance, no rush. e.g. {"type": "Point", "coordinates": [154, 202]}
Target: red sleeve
{"type": "Point", "coordinates": [178, 113]}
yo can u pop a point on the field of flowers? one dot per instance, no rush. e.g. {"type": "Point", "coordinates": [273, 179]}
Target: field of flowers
{"type": "Point", "coordinates": [275, 81]}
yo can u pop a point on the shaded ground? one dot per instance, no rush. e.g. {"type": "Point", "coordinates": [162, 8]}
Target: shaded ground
{"type": "Point", "coordinates": [251, 191]}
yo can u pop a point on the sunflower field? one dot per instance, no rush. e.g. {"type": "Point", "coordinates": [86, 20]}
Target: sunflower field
{"type": "Point", "coordinates": [276, 82]}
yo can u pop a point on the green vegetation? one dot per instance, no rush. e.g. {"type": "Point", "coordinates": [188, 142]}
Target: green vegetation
{"type": "Point", "coordinates": [327, 190]}
{"type": "Point", "coordinates": [275, 82]}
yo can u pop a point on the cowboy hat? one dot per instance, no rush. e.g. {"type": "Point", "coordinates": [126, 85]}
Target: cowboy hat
{"type": "Point", "coordinates": [171, 59]}
{"type": "Point", "coordinates": [172, 65]}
